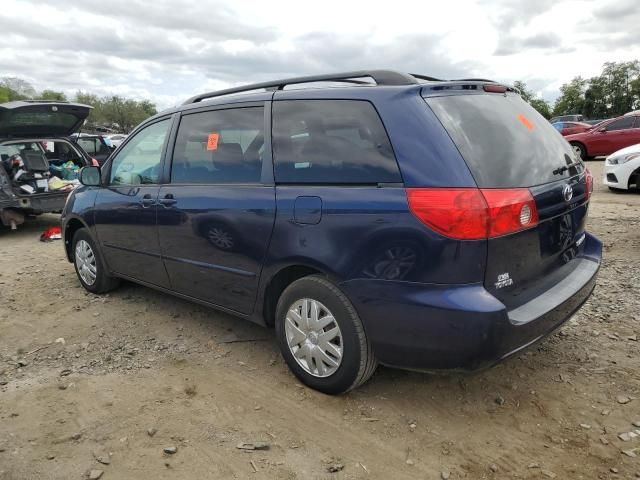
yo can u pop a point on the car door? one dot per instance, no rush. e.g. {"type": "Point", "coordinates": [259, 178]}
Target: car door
{"type": "Point", "coordinates": [216, 214]}
{"type": "Point", "coordinates": [126, 209]}
{"type": "Point", "coordinates": [616, 135]}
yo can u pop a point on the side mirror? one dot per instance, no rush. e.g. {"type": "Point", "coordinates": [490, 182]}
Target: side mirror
{"type": "Point", "coordinates": [602, 129]}
{"type": "Point", "coordinates": [90, 176]}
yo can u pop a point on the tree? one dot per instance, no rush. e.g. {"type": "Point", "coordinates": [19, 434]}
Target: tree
{"type": "Point", "coordinates": [17, 88]}
{"type": "Point", "coordinates": [5, 94]}
{"type": "Point", "coordinates": [116, 112]}
{"type": "Point", "coordinates": [52, 95]}
{"type": "Point", "coordinates": [528, 96]}
{"type": "Point", "coordinates": [595, 102]}
{"type": "Point", "coordinates": [571, 99]}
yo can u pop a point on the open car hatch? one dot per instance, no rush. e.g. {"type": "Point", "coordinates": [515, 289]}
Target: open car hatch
{"type": "Point", "coordinates": [22, 119]}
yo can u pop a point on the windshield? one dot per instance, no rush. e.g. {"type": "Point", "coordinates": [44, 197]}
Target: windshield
{"type": "Point", "coordinates": [504, 141]}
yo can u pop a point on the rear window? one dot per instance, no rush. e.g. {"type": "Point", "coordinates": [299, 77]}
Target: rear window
{"type": "Point", "coordinates": [503, 140]}
{"type": "Point", "coordinates": [331, 142]}
{"type": "Point", "coordinates": [24, 119]}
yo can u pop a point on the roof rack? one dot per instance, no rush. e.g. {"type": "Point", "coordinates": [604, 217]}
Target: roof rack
{"type": "Point", "coordinates": [474, 80]}
{"type": "Point", "coordinates": [381, 77]}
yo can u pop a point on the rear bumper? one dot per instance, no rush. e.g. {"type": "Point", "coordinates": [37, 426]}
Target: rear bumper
{"type": "Point", "coordinates": [433, 327]}
{"type": "Point", "coordinates": [37, 203]}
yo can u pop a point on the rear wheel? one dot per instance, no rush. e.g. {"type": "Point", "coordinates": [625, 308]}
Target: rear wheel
{"type": "Point", "coordinates": [321, 336]}
{"type": "Point", "coordinates": [89, 265]}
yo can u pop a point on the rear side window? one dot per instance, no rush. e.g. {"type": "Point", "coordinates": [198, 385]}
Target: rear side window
{"type": "Point", "coordinates": [622, 124]}
{"type": "Point", "coordinates": [219, 146]}
{"type": "Point", "coordinates": [331, 142]}
{"type": "Point", "coordinates": [503, 140]}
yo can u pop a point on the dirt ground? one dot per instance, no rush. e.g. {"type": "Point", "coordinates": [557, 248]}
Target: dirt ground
{"type": "Point", "coordinates": [83, 378]}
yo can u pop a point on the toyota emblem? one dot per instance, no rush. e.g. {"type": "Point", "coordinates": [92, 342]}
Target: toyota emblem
{"type": "Point", "coordinates": [567, 192]}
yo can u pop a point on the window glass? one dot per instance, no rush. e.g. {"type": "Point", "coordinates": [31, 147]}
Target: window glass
{"type": "Point", "coordinates": [622, 124]}
{"type": "Point", "coordinates": [219, 146]}
{"type": "Point", "coordinates": [139, 160]}
{"type": "Point", "coordinates": [503, 140]}
{"type": "Point", "coordinates": [88, 144]}
{"type": "Point", "coordinates": [331, 141]}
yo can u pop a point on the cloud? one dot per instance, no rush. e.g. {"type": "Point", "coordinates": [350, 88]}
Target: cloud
{"type": "Point", "coordinates": [115, 53]}
{"type": "Point", "coordinates": [548, 41]}
{"type": "Point", "coordinates": [169, 50]}
{"type": "Point", "coordinates": [614, 25]}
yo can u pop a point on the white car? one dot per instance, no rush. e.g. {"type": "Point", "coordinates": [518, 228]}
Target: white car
{"type": "Point", "coordinates": [117, 139]}
{"type": "Point", "coordinates": [622, 169]}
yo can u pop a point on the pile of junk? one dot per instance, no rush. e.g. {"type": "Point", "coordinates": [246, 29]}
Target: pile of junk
{"type": "Point", "coordinates": [31, 173]}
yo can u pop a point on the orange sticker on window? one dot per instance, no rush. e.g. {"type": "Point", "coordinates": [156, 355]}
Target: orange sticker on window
{"type": "Point", "coordinates": [212, 141]}
{"type": "Point", "coordinates": [525, 121]}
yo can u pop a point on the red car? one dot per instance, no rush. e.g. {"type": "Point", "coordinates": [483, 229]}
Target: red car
{"type": "Point", "coordinates": [607, 137]}
{"type": "Point", "coordinates": [569, 128]}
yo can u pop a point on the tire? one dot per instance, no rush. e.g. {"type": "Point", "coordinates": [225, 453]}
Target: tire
{"type": "Point", "coordinates": [356, 361]}
{"type": "Point", "coordinates": [580, 150]}
{"type": "Point", "coordinates": [102, 282]}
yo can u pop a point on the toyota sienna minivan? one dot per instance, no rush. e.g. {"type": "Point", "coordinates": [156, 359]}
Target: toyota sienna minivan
{"type": "Point", "coordinates": [370, 217]}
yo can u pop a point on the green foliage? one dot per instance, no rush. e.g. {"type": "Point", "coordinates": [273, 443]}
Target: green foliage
{"type": "Point", "coordinates": [528, 96]}
{"type": "Point", "coordinates": [116, 112]}
{"type": "Point", "coordinates": [5, 94]}
{"type": "Point", "coordinates": [614, 92]}
{"type": "Point", "coordinates": [52, 95]}
{"type": "Point", "coordinates": [571, 99]}
{"type": "Point", "coordinates": [17, 89]}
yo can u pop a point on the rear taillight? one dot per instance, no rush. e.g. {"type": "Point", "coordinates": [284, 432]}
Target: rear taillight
{"type": "Point", "coordinates": [474, 214]}
{"type": "Point", "coordinates": [589, 182]}
{"type": "Point", "coordinates": [492, 88]}
{"type": "Point", "coordinates": [510, 210]}
{"type": "Point", "coordinates": [456, 213]}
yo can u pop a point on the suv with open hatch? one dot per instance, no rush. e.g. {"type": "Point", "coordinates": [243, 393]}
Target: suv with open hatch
{"type": "Point", "coordinates": [397, 219]}
{"type": "Point", "coordinates": [39, 164]}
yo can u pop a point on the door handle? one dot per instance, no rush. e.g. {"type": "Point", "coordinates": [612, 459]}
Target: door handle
{"type": "Point", "coordinates": [147, 200]}
{"type": "Point", "coordinates": [168, 200]}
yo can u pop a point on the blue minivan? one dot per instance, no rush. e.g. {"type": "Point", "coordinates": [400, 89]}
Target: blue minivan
{"type": "Point", "coordinates": [370, 217]}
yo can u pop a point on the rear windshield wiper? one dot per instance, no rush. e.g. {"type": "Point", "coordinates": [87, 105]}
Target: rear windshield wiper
{"type": "Point", "coordinates": [564, 168]}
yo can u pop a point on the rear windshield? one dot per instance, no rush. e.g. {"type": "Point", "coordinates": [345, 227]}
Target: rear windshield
{"type": "Point", "coordinates": [65, 120]}
{"type": "Point", "coordinates": [504, 141]}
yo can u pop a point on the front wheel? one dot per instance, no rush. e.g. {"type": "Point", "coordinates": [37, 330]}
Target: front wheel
{"type": "Point", "coordinates": [579, 150]}
{"type": "Point", "coordinates": [89, 265]}
{"type": "Point", "coordinates": [321, 336]}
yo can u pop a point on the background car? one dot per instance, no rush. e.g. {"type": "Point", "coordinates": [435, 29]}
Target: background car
{"type": "Point", "coordinates": [567, 118]}
{"type": "Point", "coordinates": [569, 128]}
{"type": "Point", "coordinates": [622, 169]}
{"type": "Point", "coordinates": [117, 139]}
{"type": "Point", "coordinates": [606, 137]}
{"type": "Point", "coordinates": [38, 163]}
{"type": "Point", "coordinates": [97, 146]}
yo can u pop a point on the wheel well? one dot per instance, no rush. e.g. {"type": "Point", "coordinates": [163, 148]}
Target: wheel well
{"type": "Point", "coordinates": [634, 178]}
{"type": "Point", "coordinates": [70, 230]}
{"type": "Point", "coordinates": [276, 286]}
{"type": "Point", "coordinates": [584, 147]}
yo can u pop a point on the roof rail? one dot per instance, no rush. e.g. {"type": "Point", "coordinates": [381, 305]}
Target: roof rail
{"type": "Point", "coordinates": [381, 77]}
{"type": "Point", "coordinates": [473, 80]}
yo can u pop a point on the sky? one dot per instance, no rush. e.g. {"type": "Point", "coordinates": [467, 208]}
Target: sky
{"type": "Point", "coordinates": [169, 50]}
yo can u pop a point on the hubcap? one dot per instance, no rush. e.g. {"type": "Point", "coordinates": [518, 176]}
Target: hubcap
{"type": "Point", "coordinates": [314, 337]}
{"type": "Point", "coordinates": [221, 238]}
{"type": "Point", "coordinates": [85, 262]}
{"type": "Point", "coordinates": [578, 151]}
